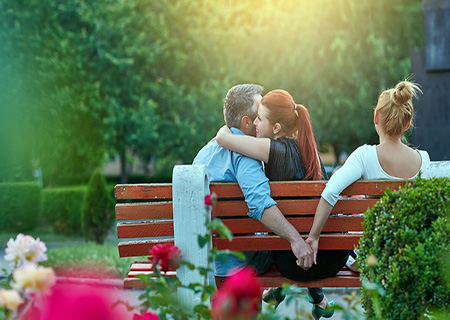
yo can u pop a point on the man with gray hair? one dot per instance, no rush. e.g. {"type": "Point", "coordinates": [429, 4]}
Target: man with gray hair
{"type": "Point", "coordinates": [240, 110]}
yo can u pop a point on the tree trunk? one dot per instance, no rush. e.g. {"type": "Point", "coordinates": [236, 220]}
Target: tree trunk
{"type": "Point", "coordinates": [337, 153]}
{"type": "Point", "coordinates": [123, 167]}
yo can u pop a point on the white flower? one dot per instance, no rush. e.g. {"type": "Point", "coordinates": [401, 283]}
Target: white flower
{"type": "Point", "coordinates": [10, 299]}
{"type": "Point", "coordinates": [25, 250]}
{"type": "Point", "coordinates": [33, 279]}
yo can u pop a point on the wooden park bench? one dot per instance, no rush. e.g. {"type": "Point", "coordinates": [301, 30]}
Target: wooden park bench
{"type": "Point", "coordinates": [175, 213]}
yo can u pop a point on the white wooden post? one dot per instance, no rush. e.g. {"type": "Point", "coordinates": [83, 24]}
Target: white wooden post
{"type": "Point", "coordinates": [437, 169]}
{"type": "Point", "coordinates": [190, 185]}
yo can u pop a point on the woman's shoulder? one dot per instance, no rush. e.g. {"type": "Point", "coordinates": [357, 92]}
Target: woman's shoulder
{"type": "Point", "coordinates": [285, 140]}
{"type": "Point", "coordinates": [425, 157]}
{"type": "Point", "coordinates": [364, 151]}
{"type": "Point", "coordinates": [283, 143]}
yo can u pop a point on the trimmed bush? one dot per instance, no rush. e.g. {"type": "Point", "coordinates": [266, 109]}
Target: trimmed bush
{"type": "Point", "coordinates": [61, 207]}
{"type": "Point", "coordinates": [19, 206]}
{"type": "Point", "coordinates": [406, 236]}
{"type": "Point", "coordinates": [98, 209]}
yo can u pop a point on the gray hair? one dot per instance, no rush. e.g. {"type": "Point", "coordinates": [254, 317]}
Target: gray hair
{"type": "Point", "coordinates": [239, 103]}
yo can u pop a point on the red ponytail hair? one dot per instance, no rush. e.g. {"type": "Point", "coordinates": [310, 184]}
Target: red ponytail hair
{"type": "Point", "coordinates": [294, 120]}
{"type": "Point", "coordinates": [307, 145]}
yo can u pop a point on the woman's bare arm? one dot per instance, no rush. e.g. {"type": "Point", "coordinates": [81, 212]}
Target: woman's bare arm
{"type": "Point", "coordinates": [322, 213]}
{"type": "Point", "coordinates": [256, 148]}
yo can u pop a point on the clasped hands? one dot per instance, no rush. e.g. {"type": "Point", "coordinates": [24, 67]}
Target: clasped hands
{"type": "Point", "coordinates": [306, 252]}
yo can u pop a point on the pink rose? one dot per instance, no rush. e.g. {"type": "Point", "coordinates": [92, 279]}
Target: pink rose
{"type": "Point", "coordinates": [166, 255]}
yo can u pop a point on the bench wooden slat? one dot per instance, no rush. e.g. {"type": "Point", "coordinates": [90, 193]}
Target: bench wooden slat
{"type": "Point", "coordinates": [164, 228]}
{"type": "Point", "coordinates": [333, 282]}
{"type": "Point", "coordinates": [141, 191]}
{"type": "Point", "coordinates": [302, 224]}
{"type": "Point", "coordinates": [242, 243]}
{"type": "Point", "coordinates": [269, 242]}
{"type": "Point", "coordinates": [140, 248]}
{"type": "Point", "coordinates": [315, 188]}
{"type": "Point", "coordinates": [142, 229]}
{"type": "Point", "coordinates": [144, 210]}
{"type": "Point", "coordinates": [278, 189]}
{"type": "Point", "coordinates": [133, 274]}
{"type": "Point", "coordinates": [238, 208]}
{"type": "Point", "coordinates": [294, 207]}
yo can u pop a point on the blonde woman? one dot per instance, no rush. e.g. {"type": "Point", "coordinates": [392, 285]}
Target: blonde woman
{"type": "Point", "coordinates": [391, 159]}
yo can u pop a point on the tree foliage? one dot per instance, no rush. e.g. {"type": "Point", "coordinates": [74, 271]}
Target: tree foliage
{"type": "Point", "coordinates": [147, 78]}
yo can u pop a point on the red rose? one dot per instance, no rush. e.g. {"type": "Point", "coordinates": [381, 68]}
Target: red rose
{"type": "Point", "coordinates": [238, 297]}
{"type": "Point", "coordinates": [166, 255]}
{"type": "Point", "coordinates": [210, 199]}
{"type": "Point", "coordinates": [146, 316]}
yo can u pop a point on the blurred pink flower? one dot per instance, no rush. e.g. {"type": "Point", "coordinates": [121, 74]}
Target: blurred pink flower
{"type": "Point", "coordinates": [165, 255]}
{"type": "Point", "coordinates": [81, 302]}
{"type": "Point", "coordinates": [238, 297]}
{"type": "Point", "coordinates": [146, 316]}
{"type": "Point", "coordinates": [32, 279]}
{"type": "Point", "coordinates": [25, 250]}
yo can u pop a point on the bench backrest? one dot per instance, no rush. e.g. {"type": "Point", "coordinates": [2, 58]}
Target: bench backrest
{"type": "Point", "coordinates": [150, 214]}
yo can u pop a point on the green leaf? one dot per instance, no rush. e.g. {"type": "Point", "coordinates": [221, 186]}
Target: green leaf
{"type": "Point", "coordinates": [202, 241]}
{"type": "Point", "coordinates": [222, 229]}
{"type": "Point", "coordinates": [238, 254]}
{"type": "Point", "coordinates": [222, 257]}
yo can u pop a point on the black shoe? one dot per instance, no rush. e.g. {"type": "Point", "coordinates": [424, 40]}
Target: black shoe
{"type": "Point", "coordinates": [274, 297]}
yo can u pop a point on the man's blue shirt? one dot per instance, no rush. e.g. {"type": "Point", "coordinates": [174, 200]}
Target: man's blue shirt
{"type": "Point", "coordinates": [226, 165]}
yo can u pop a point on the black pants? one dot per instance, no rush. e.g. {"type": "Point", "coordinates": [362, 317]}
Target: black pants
{"type": "Point", "coordinates": [329, 262]}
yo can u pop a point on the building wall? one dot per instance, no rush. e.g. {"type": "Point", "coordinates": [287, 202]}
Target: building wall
{"type": "Point", "coordinates": [431, 69]}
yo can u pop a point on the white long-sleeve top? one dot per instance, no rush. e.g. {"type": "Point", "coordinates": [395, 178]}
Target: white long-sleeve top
{"type": "Point", "coordinates": [362, 164]}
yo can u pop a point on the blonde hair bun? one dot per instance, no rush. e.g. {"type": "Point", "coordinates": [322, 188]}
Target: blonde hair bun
{"type": "Point", "coordinates": [404, 91]}
{"type": "Point", "coordinates": [395, 108]}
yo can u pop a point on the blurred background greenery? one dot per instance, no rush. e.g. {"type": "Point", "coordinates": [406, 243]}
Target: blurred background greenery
{"type": "Point", "coordinates": [80, 80]}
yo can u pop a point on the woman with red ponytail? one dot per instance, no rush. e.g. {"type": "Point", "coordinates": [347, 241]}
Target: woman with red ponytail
{"type": "Point", "coordinates": [285, 142]}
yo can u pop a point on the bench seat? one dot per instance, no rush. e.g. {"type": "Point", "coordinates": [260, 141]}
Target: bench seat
{"type": "Point", "coordinates": [272, 278]}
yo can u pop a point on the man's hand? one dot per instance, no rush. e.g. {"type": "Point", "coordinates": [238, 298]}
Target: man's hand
{"type": "Point", "coordinates": [273, 219]}
{"type": "Point", "coordinates": [314, 243]}
{"type": "Point", "coordinates": [304, 253]}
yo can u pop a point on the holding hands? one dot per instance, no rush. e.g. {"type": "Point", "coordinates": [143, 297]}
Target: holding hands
{"type": "Point", "coordinates": [306, 252]}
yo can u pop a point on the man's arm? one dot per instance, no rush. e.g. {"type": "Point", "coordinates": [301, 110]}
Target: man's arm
{"type": "Point", "coordinates": [274, 220]}
{"type": "Point", "coordinates": [255, 187]}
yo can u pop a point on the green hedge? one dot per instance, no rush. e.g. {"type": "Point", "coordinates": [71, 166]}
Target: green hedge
{"type": "Point", "coordinates": [402, 251]}
{"type": "Point", "coordinates": [61, 207]}
{"type": "Point", "coordinates": [19, 206]}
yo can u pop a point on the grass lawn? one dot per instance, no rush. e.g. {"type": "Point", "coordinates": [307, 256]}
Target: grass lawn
{"type": "Point", "coordinates": [69, 255]}
{"type": "Point", "coordinates": [45, 234]}
{"type": "Point", "coordinates": [102, 260]}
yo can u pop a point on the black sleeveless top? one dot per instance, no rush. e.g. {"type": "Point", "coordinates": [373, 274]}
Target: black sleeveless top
{"type": "Point", "coordinates": [285, 162]}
